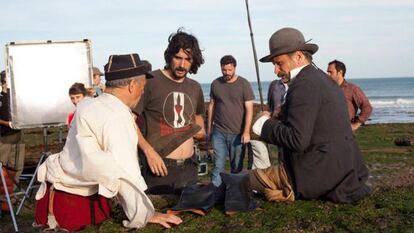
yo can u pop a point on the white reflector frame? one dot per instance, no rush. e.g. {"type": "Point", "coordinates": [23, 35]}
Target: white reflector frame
{"type": "Point", "coordinates": [40, 75]}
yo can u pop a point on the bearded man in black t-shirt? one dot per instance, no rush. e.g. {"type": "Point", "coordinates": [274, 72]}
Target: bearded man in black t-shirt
{"type": "Point", "coordinates": [171, 108]}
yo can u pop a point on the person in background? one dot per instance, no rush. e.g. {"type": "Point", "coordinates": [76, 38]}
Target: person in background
{"type": "Point", "coordinates": [12, 149]}
{"type": "Point", "coordinates": [230, 114]}
{"type": "Point", "coordinates": [172, 109]}
{"type": "Point", "coordinates": [355, 97]}
{"type": "Point", "coordinates": [98, 86]}
{"type": "Point", "coordinates": [276, 94]}
{"type": "Point", "coordinates": [77, 92]}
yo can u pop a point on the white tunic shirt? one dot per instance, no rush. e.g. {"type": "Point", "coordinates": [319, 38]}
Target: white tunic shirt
{"type": "Point", "coordinates": [100, 156]}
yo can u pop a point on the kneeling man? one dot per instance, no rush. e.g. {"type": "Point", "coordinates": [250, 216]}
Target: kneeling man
{"type": "Point", "coordinates": [100, 154]}
{"type": "Point", "coordinates": [321, 158]}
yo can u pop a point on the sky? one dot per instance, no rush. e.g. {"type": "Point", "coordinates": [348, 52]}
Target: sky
{"type": "Point", "coordinates": [374, 38]}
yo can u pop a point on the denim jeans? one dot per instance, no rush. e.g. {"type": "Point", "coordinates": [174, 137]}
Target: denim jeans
{"type": "Point", "coordinates": [226, 144]}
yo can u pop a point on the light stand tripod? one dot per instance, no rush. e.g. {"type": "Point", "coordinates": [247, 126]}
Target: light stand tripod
{"type": "Point", "coordinates": [43, 156]}
{"type": "Point", "coordinates": [7, 194]}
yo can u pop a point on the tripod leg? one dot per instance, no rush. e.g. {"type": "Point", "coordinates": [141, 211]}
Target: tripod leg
{"type": "Point", "coordinates": [29, 187]}
{"type": "Point", "coordinates": [6, 191]}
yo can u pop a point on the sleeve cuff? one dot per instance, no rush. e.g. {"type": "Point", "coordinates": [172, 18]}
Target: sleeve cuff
{"type": "Point", "coordinates": [258, 125]}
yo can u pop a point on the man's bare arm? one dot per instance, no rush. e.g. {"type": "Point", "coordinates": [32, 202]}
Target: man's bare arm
{"type": "Point", "coordinates": [154, 160]}
{"type": "Point", "coordinates": [202, 133]}
{"type": "Point", "coordinates": [248, 116]}
{"type": "Point", "coordinates": [210, 118]}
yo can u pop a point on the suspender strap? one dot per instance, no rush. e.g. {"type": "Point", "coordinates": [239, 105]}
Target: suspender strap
{"type": "Point", "coordinates": [92, 209]}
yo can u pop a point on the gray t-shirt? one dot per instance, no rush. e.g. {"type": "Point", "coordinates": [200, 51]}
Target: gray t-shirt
{"type": "Point", "coordinates": [229, 101]}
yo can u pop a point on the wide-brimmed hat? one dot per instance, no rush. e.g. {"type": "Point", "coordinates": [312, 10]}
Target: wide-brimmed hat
{"type": "Point", "coordinates": [287, 40]}
{"type": "Point", "coordinates": [126, 66]}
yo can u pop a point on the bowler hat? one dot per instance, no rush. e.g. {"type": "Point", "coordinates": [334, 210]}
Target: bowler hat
{"type": "Point", "coordinates": [126, 66]}
{"type": "Point", "coordinates": [287, 40]}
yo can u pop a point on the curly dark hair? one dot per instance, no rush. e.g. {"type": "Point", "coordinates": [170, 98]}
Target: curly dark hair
{"type": "Point", "coordinates": [187, 42]}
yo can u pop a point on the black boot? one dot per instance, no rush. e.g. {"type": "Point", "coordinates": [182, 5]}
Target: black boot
{"type": "Point", "coordinates": [238, 193]}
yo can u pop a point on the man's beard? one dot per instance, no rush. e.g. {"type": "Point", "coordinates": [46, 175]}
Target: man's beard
{"type": "Point", "coordinates": [178, 77]}
{"type": "Point", "coordinates": [228, 77]}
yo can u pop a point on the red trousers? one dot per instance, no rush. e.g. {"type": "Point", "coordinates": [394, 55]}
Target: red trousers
{"type": "Point", "coordinates": [72, 212]}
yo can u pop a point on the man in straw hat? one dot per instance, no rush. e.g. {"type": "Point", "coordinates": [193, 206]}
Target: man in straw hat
{"type": "Point", "coordinates": [100, 155]}
{"type": "Point", "coordinates": [321, 158]}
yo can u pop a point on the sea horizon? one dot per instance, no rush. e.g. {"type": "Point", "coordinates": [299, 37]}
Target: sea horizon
{"type": "Point", "coordinates": [392, 98]}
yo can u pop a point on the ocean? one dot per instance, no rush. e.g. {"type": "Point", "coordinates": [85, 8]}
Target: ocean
{"type": "Point", "coordinates": [392, 99]}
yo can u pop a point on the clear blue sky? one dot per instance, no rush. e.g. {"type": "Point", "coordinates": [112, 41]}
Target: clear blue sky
{"type": "Point", "coordinates": [375, 38]}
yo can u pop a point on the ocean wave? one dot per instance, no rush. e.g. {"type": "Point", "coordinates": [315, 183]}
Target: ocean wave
{"type": "Point", "coordinates": [393, 102]}
{"type": "Point", "coordinates": [400, 96]}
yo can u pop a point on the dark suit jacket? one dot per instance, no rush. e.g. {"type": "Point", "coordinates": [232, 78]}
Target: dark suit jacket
{"type": "Point", "coordinates": [319, 150]}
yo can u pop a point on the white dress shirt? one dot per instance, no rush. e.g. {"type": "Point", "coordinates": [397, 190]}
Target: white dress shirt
{"type": "Point", "coordinates": [100, 156]}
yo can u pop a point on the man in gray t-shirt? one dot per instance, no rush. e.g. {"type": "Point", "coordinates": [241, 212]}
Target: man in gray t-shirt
{"type": "Point", "coordinates": [230, 114]}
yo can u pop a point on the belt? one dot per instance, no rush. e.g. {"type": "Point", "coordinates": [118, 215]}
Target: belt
{"type": "Point", "coordinates": [177, 162]}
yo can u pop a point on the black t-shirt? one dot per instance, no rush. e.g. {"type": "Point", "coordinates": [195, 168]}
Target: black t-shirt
{"type": "Point", "coordinates": [5, 113]}
{"type": "Point", "coordinates": [169, 110]}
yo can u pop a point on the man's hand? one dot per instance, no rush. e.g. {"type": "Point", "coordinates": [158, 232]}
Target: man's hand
{"type": "Point", "coordinates": [7, 124]}
{"type": "Point", "coordinates": [155, 163]}
{"type": "Point", "coordinates": [355, 126]}
{"type": "Point", "coordinates": [245, 138]}
{"type": "Point", "coordinates": [262, 113]}
{"type": "Point", "coordinates": [200, 135]}
{"type": "Point", "coordinates": [165, 219]}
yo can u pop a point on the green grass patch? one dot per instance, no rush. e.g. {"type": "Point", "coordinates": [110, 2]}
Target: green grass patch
{"type": "Point", "coordinates": [388, 209]}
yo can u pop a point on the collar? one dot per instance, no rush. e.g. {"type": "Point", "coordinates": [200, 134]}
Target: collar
{"type": "Point", "coordinates": [344, 83]}
{"type": "Point", "coordinates": [115, 100]}
{"type": "Point", "coordinates": [295, 72]}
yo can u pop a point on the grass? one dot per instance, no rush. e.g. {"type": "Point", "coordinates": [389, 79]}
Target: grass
{"type": "Point", "coordinates": [390, 208]}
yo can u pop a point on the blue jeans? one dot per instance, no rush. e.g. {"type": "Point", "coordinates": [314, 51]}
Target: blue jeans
{"type": "Point", "coordinates": [226, 144]}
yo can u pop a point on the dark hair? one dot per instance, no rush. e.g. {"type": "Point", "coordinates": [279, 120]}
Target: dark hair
{"type": "Point", "coordinates": [3, 77]}
{"type": "Point", "coordinates": [339, 66]}
{"type": "Point", "coordinates": [228, 59]}
{"type": "Point", "coordinates": [187, 42]}
{"type": "Point", "coordinates": [306, 54]}
{"type": "Point", "coordinates": [78, 88]}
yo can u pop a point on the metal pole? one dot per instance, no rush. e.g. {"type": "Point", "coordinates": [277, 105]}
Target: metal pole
{"type": "Point", "coordinates": [46, 148]}
{"type": "Point", "coordinates": [255, 57]}
{"type": "Point", "coordinates": [6, 192]}
{"type": "Point", "coordinates": [259, 84]}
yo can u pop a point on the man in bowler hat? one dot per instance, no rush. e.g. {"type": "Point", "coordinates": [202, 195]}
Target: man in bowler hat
{"type": "Point", "coordinates": [100, 154]}
{"type": "Point", "coordinates": [321, 157]}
